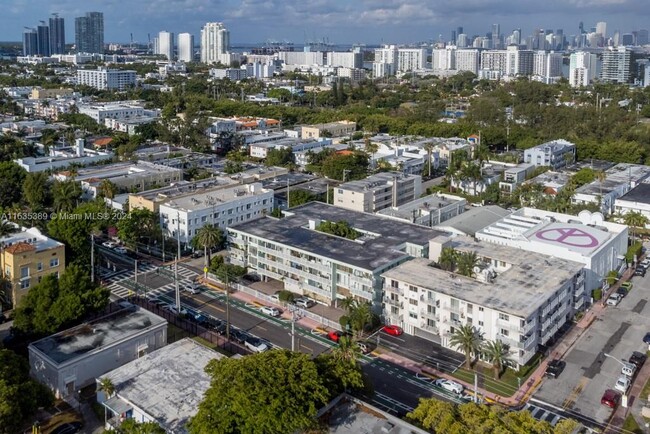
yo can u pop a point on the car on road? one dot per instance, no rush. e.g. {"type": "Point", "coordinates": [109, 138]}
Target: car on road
{"type": "Point", "coordinates": [449, 386]}
{"type": "Point", "coordinates": [365, 347]}
{"type": "Point", "coordinates": [109, 244]}
{"type": "Point", "coordinates": [334, 335]}
{"type": "Point", "coordinates": [628, 369]}
{"type": "Point", "coordinates": [270, 311]}
{"type": "Point", "coordinates": [239, 336]}
{"type": "Point", "coordinates": [637, 359]}
{"type": "Point", "coordinates": [192, 288]}
{"type": "Point", "coordinates": [173, 309]}
{"type": "Point", "coordinates": [623, 384]}
{"type": "Point", "coordinates": [640, 271]}
{"type": "Point", "coordinates": [304, 302]}
{"type": "Point", "coordinates": [392, 330]}
{"type": "Point", "coordinates": [220, 328]}
{"type": "Point", "coordinates": [121, 250]}
{"type": "Point", "coordinates": [614, 300]}
{"type": "Point", "coordinates": [555, 368]}
{"type": "Point", "coordinates": [67, 428]}
{"type": "Point", "coordinates": [646, 338]}
{"type": "Point", "coordinates": [610, 398]}
{"type": "Point", "coordinates": [624, 289]}
{"type": "Point", "coordinates": [256, 345]}
{"type": "Point", "coordinates": [645, 263]}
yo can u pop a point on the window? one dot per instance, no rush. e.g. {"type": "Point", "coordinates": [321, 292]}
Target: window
{"type": "Point", "coordinates": [413, 288]}
{"type": "Point", "coordinates": [504, 332]}
{"type": "Point", "coordinates": [480, 323]}
{"type": "Point", "coordinates": [504, 317]}
{"type": "Point", "coordinates": [480, 309]}
{"type": "Point", "coordinates": [24, 272]}
{"type": "Point", "coordinates": [413, 315]}
{"type": "Point", "coordinates": [470, 307]}
{"type": "Point", "coordinates": [24, 284]}
{"type": "Point", "coordinates": [54, 262]}
{"type": "Point", "coordinates": [413, 301]}
{"type": "Point", "coordinates": [394, 284]}
{"type": "Point", "coordinates": [394, 310]}
{"type": "Point", "coordinates": [39, 266]}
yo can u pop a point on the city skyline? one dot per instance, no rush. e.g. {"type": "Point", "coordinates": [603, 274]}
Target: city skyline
{"type": "Point", "coordinates": [368, 21]}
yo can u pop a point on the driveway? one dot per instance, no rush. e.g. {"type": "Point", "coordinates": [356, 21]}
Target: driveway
{"type": "Point", "coordinates": [588, 373]}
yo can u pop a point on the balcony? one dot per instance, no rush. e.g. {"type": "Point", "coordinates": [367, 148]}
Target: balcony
{"type": "Point", "coordinates": [393, 302]}
{"type": "Point", "coordinates": [429, 314]}
{"type": "Point", "coordinates": [529, 326]}
{"type": "Point", "coordinates": [431, 329]}
{"type": "Point", "coordinates": [393, 290]}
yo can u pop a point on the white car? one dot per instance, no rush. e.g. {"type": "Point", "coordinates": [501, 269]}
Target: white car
{"type": "Point", "coordinates": [171, 308]}
{"type": "Point", "coordinates": [270, 311]}
{"type": "Point", "coordinates": [192, 288]}
{"type": "Point", "coordinates": [256, 345]}
{"type": "Point", "coordinates": [450, 386]}
{"type": "Point", "coordinates": [109, 244]}
{"type": "Point", "coordinates": [120, 249]}
{"type": "Point", "coordinates": [614, 299]}
{"type": "Point", "coordinates": [622, 384]}
{"type": "Point", "coordinates": [628, 370]}
{"type": "Point", "coordinates": [645, 263]}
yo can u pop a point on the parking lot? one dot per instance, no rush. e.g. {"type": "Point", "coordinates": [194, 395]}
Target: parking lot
{"type": "Point", "coordinates": [588, 373]}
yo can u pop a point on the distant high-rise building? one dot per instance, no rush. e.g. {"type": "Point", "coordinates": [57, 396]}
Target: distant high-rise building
{"type": "Point", "coordinates": [89, 33]}
{"type": "Point", "coordinates": [453, 36]}
{"type": "Point", "coordinates": [215, 42]}
{"type": "Point", "coordinates": [547, 66]}
{"type": "Point", "coordinates": [601, 29]}
{"type": "Point", "coordinates": [581, 27]}
{"type": "Point", "coordinates": [642, 37]}
{"type": "Point", "coordinates": [582, 68]}
{"type": "Point", "coordinates": [459, 30]}
{"type": "Point", "coordinates": [30, 42]}
{"type": "Point", "coordinates": [43, 31]}
{"type": "Point", "coordinates": [468, 60]}
{"type": "Point", "coordinates": [462, 40]}
{"type": "Point", "coordinates": [617, 64]}
{"type": "Point", "coordinates": [57, 35]}
{"type": "Point", "coordinates": [185, 47]}
{"type": "Point", "coordinates": [166, 44]}
{"type": "Point", "coordinates": [496, 35]}
{"type": "Point", "coordinates": [627, 39]}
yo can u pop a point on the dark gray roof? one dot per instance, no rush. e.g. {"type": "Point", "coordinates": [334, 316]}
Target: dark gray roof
{"type": "Point", "coordinates": [475, 219]}
{"type": "Point", "coordinates": [368, 252]}
{"type": "Point", "coordinates": [640, 193]}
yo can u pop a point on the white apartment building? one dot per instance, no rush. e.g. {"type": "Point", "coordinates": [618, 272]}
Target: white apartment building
{"type": "Point", "coordinates": [618, 181]}
{"type": "Point", "coordinates": [63, 157]}
{"type": "Point", "coordinates": [519, 62]}
{"type": "Point", "coordinates": [385, 63]}
{"type": "Point", "coordinates": [426, 211]}
{"type": "Point", "coordinates": [587, 239]}
{"type": "Point", "coordinates": [379, 191]}
{"type": "Point", "coordinates": [495, 60]}
{"type": "Point", "coordinates": [302, 57]}
{"type": "Point", "coordinates": [444, 58]}
{"type": "Point", "coordinates": [635, 200]}
{"type": "Point", "coordinates": [215, 43]}
{"type": "Point", "coordinates": [554, 154]}
{"type": "Point", "coordinates": [468, 60]}
{"type": "Point", "coordinates": [324, 266]}
{"type": "Point", "coordinates": [547, 66]}
{"type": "Point", "coordinates": [116, 110]}
{"type": "Point", "coordinates": [520, 298]}
{"type": "Point", "coordinates": [344, 59]}
{"type": "Point", "coordinates": [165, 45]}
{"type": "Point", "coordinates": [185, 47]}
{"type": "Point", "coordinates": [411, 59]}
{"type": "Point", "coordinates": [616, 65]}
{"type": "Point", "coordinates": [102, 79]}
{"type": "Point", "coordinates": [183, 216]}
{"type": "Point", "coordinates": [582, 68]}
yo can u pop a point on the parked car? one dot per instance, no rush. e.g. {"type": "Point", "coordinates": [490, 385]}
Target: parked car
{"type": "Point", "coordinates": [121, 250]}
{"type": "Point", "coordinates": [173, 309]}
{"type": "Point", "coordinates": [67, 428]}
{"type": "Point", "coordinates": [645, 263]}
{"type": "Point", "coordinates": [628, 369]}
{"type": "Point", "coordinates": [622, 384]}
{"type": "Point", "coordinates": [610, 398]}
{"type": "Point", "coordinates": [270, 311]}
{"type": "Point", "coordinates": [640, 271]}
{"type": "Point", "coordinates": [365, 347]}
{"type": "Point", "coordinates": [239, 336]}
{"type": "Point", "coordinates": [109, 244]}
{"type": "Point", "coordinates": [449, 385]}
{"type": "Point", "coordinates": [646, 338]}
{"type": "Point", "coordinates": [555, 368]}
{"type": "Point", "coordinates": [192, 288]}
{"type": "Point", "coordinates": [220, 328]}
{"type": "Point", "coordinates": [304, 302]}
{"type": "Point", "coordinates": [614, 300]}
{"type": "Point", "coordinates": [637, 359]}
{"type": "Point", "coordinates": [334, 335]}
{"type": "Point", "coordinates": [392, 330]}
{"type": "Point", "coordinates": [256, 345]}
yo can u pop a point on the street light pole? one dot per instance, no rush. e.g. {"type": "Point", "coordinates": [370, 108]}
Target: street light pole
{"type": "Point", "coordinates": [624, 397]}
{"type": "Point", "coordinates": [92, 258]}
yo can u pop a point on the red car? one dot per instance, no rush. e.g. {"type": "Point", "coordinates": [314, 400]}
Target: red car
{"type": "Point", "coordinates": [334, 335]}
{"type": "Point", "coordinates": [393, 330]}
{"type": "Point", "coordinates": [610, 398]}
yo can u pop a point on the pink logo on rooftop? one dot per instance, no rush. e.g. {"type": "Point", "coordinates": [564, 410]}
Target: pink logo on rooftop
{"type": "Point", "coordinates": [568, 236]}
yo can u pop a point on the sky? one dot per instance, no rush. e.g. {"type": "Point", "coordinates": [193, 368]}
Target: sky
{"type": "Point", "coordinates": [339, 21]}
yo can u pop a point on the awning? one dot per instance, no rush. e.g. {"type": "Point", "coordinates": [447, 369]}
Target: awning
{"type": "Point", "coordinates": [117, 406]}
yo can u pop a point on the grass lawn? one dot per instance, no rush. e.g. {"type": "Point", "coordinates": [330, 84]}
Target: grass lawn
{"type": "Point", "coordinates": [630, 425]}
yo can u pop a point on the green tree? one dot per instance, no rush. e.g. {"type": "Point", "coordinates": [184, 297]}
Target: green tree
{"type": "Point", "coordinates": [466, 263]}
{"type": "Point", "coordinates": [635, 220]}
{"type": "Point", "coordinates": [448, 259]}
{"type": "Point", "coordinates": [65, 195]}
{"type": "Point", "coordinates": [498, 354]}
{"type": "Point", "coordinates": [131, 426]}
{"type": "Point", "coordinates": [107, 189]}
{"type": "Point", "coordinates": [299, 197]}
{"type": "Point", "coordinates": [583, 176]}
{"type": "Point", "coordinates": [467, 340]}
{"type": "Point", "coordinates": [13, 177]}
{"type": "Point", "coordinates": [340, 229]}
{"type": "Point", "coordinates": [7, 228]}
{"type": "Point", "coordinates": [140, 224]}
{"type": "Point", "coordinates": [209, 237]}
{"type": "Point", "coordinates": [352, 166]}
{"type": "Point", "coordinates": [20, 396]}
{"type": "Point", "coordinates": [36, 190]}
{"type": "Point", "coordinates": [282, 157]}
{"type": "Point", "coordinates": [55, 303]}
{"type": "Point", "coordinates": [272, 392]}
{"type": "Point", "coordinates": [106, 385]}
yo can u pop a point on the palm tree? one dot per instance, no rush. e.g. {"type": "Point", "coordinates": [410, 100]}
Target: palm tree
{"type": "Point", "coordinates": [209, 237]}
{"type": "Point", "coordinates": [466, 263]}
{"type": "Point", "coordinates": [106, 386]}
{"type": "Point", "coordinates": [498, 354]}
{"type": "Point", "coordinates": [7, 228]}
{"type": "Point", "coordinates": [65, 195]}
{"type": "Point", "coordinates": [635, 220]}
{"type": "Point", "coordinates": [370, 149]}
{"type": "Point", "coordinates": [466, 339]}
{"type": "Point", "coordinates": [429, 146]}
{"type": "Point", "coordinates": [107, 189]}
{"type": "Point", "coordinates": [601, 176]}
{"type": "Point", "coordinates": [360, 317]}
{"type": "Point", "coordinates": [448, 258]}
{"type": "Point", "coordinates": [347, 350]}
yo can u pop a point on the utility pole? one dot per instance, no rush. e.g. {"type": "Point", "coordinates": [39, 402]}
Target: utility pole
{"type": "Point", "coordinates": [227, 303]}
{"type": "Point", "coordinates": [178, 257]}
{"type": "Point", "coordinates": [288, 206]}
{"type": "Point", "coordinates": [92, 258]}
{"type": "Point", "coordinates": [475, 387]}
{"type": "Point", "coordinates": [135, 275]}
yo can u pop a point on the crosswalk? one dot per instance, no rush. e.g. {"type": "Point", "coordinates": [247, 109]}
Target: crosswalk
{"type": "Point", "coordinates": [544, 414]}
{"type": "Point", "coordinates": [122, 285]}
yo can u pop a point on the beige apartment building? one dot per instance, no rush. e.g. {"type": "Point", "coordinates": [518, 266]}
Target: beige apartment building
{"type": "Point", "coordinates": [377, 192]}
{"type": "Point", "coordinates": [332, 129]}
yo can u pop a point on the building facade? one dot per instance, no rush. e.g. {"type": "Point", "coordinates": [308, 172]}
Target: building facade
{"type": "Point", "coordinates": [89, 33]}
{"type": "Point", "coordinates": [427, 211]}
{"type": "Point", "coordinates": [102, 79]}
{"type": "Point", "coordinates": [377, 192]}
{"type": "Point", "coordinates": [57, 35]}
{"type": "Point", "coordinates": [554, 154]}
{"type": "Point", "coordinates": [332, 129]}
{"type": "Point", "coordinates": [166, 45]}
{"type": "Point", "coordinates": [186, 47]}
{"type": "Point", "coordinates": [215, 43]}
{"type": "Point", "coordinates": [616, 65]}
